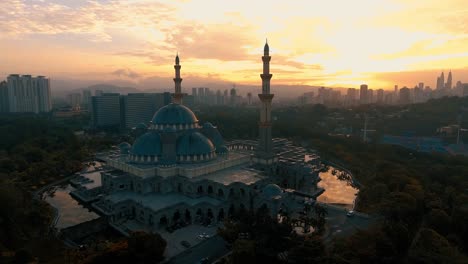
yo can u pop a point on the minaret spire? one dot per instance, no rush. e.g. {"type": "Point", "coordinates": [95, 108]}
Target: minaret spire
{"type": "Point", "coordinates": [265, 154]}
{"type": "Point", "coordinates": [177, 96]}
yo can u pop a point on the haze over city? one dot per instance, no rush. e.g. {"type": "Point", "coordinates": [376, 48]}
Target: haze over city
{"type": "Point", "coordinates": [318, 43]}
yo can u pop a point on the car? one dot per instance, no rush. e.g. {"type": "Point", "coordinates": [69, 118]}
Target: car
{"type": "Point", "coordinates": [185, 243]}
{"type": "Point", "coordinates": [350, 213]}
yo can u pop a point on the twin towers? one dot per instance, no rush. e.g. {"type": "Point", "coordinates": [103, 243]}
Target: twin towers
{"type": "Point", "coordinates": [264, 153]}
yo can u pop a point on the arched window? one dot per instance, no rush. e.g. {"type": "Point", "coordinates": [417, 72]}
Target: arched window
{"type": "Point", "coordinates": [200, 189]}
{"type": "Point", "coordinates": [210, 189]}
{"type": "Point", "coordinates": [220, 193]}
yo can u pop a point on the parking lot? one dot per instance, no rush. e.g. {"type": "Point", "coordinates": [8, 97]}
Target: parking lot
{"type": "Point", "coordinates": [190, 233]}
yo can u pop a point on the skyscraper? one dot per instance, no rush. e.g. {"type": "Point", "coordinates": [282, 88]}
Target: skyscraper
{"type": "Point", "coordinates": [363, 94]}
{"type": "Point", "coordinates": [233, 95]}
{"type": "Point", "coordinates": [448, 85]}
{"type": "Point", "coordinates": [442, 80]}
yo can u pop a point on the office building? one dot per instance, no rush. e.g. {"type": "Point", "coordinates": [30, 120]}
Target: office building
{"type": "Point", "coordinates": [106, 111]}
{"type": "Point", "coordinates": [140, 107]}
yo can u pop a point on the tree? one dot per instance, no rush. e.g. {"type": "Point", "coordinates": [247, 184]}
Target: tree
{"type": "Point", "coordinates": [146, 247]}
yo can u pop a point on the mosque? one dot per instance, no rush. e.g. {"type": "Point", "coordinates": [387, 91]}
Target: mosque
{"type": "Point", "coordinates": [179, 172]}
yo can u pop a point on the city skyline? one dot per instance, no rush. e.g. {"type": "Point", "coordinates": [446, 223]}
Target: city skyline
{"type": "Point", "coordinates": [317, 44]}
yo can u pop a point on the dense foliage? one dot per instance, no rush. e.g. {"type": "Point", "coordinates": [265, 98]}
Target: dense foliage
{"type": "Point", "coordinates": [34, 151]}
{"type": "Point", "coordinates": [140, 247]}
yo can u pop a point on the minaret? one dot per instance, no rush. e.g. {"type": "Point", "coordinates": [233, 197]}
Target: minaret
{"type": "Point", "coordinates": [265, 154]}
{"type": "Point", "coordinates": [177, 96]}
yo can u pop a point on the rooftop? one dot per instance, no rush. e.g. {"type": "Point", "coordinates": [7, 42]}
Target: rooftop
{"type": "Point", "coordinates": [242, 174]}
{"type": "Point", "coordinates": [158, 202]}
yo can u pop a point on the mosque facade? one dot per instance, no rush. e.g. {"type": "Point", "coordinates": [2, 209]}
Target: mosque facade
{"type": "Point", "coordinates": [179, 172]}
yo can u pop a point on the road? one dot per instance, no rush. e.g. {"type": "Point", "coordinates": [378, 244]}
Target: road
{"type": "Point", "coordinates": [212, 248]}
{"type": "Point", "coordinates": [339, 224]}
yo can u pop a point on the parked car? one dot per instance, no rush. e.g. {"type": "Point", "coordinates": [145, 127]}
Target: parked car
{"type": "Point", "coordinates": [350, 213]}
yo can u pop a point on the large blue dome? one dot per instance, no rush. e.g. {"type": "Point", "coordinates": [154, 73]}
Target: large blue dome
{"type": "Point", "coordinates": [148, 144]}
{"type": "Point", "coordinates": [174, 114]}
{"type": "Point", "coordinates": [194, 143]}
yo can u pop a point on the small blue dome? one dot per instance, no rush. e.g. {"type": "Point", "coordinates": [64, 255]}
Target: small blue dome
{"type": "Point", "coordinates": [148, 144]}
{"type": "Point", "coordinates": [169, 129]}
{"type": "Point", "coordinates": [213, 134]}
{"type": "Point", "coordinates": [141, 126]}
{"type": "Point", "coordinates": [271, 191]}
{"type": "Point", "coordinates": [174, 114]}
{"type": "Point", "coordinates": [222, 149]}
{"type": "Point", "coordinates": [124, 147]}
{"type": "Point", "coordinates": [208, 125]}
{"type": "Point", "coordinates": [194, 143]}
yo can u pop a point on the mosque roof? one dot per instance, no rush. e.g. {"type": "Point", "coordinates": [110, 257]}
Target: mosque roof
{"type": "Point", "coordinates": [174, 114]}
{"type": "Point", "coordinates": [194, 143]}
{"type": "Point", "coordinates": [271, 191]}
{"type": "Point", "coordinates": [148, 144]}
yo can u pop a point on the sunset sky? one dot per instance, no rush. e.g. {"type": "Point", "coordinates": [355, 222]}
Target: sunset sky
{"type": "Point", "coordinates": [329, 42]}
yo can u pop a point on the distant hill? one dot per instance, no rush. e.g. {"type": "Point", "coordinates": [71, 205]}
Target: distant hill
{"type": "Point", "coordinates": [108, 88]}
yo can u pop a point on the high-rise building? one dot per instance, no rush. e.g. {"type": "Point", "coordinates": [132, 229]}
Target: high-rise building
{"type": "Point", "coordinates": [448, 85]}
{"type": "Point", "coordinates": [140, 108]}
{"type": "Point", "coordinates": [380, 96]}
{"type": "Point", "coordinates": [405, 95]}
{"type": "Point", "coordinates": [4, 97]}
{"type": "Point", "coordinates": [465, 89]}
{"type": "Point", "coordinates": [201, 95]}
{"type": "Point", "coordinates": [98, 92]}
{"type": "Point", "coordinates": [86, 98]}
{"type": "Point", "coordinates": [105, 110]}
{"type": "Point", "coordinates": [232, 99]}
{"type": "Point", "coordinates": [42, 85]}
{"type": "Point", "coordinates": [442, 80]}
{"type": "Point", "coordinates": [74, 100]}
{"type": "Point", "coordinates": [363, 94]}
{"type": "Point", "coordinates": [351, 96]}
{"type": "Point", "coordinates": [28, 94]}
{"type": "Point", "coordinates": [219, 98]}
{"type": "Point", "coordinates": [225, 97]}
{"type": "Point", "coordinates": [370, 96]}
